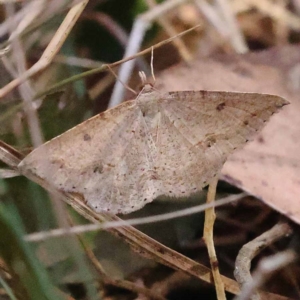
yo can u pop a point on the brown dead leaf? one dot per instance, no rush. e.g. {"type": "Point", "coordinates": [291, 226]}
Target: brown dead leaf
{"type": "Point", "coordinates": [269, 167]}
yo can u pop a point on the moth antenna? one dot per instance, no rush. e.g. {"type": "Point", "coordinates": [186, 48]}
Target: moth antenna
{"type": "Point", "coordinates": [143, 77]}
{"type": "Point", "coordinates": [151, 64]}
{"type": "Point", "coordinates": [124, 84]}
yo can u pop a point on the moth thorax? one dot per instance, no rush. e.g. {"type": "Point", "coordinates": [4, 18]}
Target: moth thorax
{"type": "Point", "coordinates": [149, 108]}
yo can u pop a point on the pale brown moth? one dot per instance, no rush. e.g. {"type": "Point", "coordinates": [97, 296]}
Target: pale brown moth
{"type": "Point", "coordinates": [170, 143]}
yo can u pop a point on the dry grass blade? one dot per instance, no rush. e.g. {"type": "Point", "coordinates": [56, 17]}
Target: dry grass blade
{"type": "Point", "coordinates": [276, 11]}
{"type": "Point", "coordinates": [138, 31]}
{"type": "Point", "coordinates": [106, 67]}
{"type": "Point", "coordinates": [168, 27]}
{"type": "Point", "coordinates": [43, 235]}
{"type": "Point", "coordinates": [51, 50]}
{"type": "Point", "coordinates": [125, 284]}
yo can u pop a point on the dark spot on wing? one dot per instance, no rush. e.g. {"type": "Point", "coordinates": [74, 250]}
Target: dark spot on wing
{"type": "Point", "coordinates": [59, 162]}
{"type": "Point", "coordinates": [261, 139]}
{"type": "Point", "coordinates": [86, 137]}
{"type": "Point", "coordinates": [220, 106]}
{"type": "Point", "coordinates": [154, 177]}
{"type": "Point", "coordinates": [246, 122]}
{"type": "Point", "coordinates": [98, 169]}
{"type": "Point", "coordinates": [210, 141]}
{"type": "Point", "coordinates": [208, 144]}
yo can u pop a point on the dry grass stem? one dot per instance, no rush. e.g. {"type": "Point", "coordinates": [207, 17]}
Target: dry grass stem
{"type": "Point", "coordinates": [209, 240]}
{"type": "Point", "coordinates": [235, 35]}
{"type": "Point", "coordinates": [138, 31]}
{"type": "Point", "coordinates": [51, 50]}
{"type": "Point", "coordinates": [43, 235]}
{"type": "Point", "coordinates": [170, 30]}
{"type": "Point", "coordinates": [276, 12]}
{"type": "Point", "coordinates": [125, 284]}
{"type": "Point", "coordinates": [105, 67]}
{"type": "Point", "coordinates": [25, 90]}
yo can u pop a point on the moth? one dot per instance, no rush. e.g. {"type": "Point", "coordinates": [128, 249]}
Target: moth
{"type": "Point", "coordinates": [171, 143]}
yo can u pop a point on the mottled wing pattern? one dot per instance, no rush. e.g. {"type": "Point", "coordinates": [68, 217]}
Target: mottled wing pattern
{"type": "Point", "coordinates": [104, 159]}
{"type": "Point", "coordinates": [172, 143]}
{"type": "Point", "coordinates": [200, 129]}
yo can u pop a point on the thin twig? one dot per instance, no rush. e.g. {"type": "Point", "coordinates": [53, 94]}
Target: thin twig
{"type": "Point", "coordinates": [115, 30]}
{"type": "Point", "coordinates": [125, 284]}
{"type": "Point", "coordinates": [251, 249]}
{"type": "Point", "coordinates": [266, 268]}
{"type": "Point", "coordinates": [10, 155]}
{"type": "Point", "coordinates": [42, 235]}
{"type": "Point", "coordinates": [209, 240]}
{"type": "Point", "coordinates": [105, 67]}
{"type": "Point", "coordinates": [125, 85]}
{"type": "Point", "coordinates": [77, 61]}
{"type": "Point", "coordinates": [19, 17]}
{"type": "Point", "coordinates": [140, 26]}
{"type": "Point", "coordinates": [235, 35]}
{"type": "Point", "coordinates": [25, 89]}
